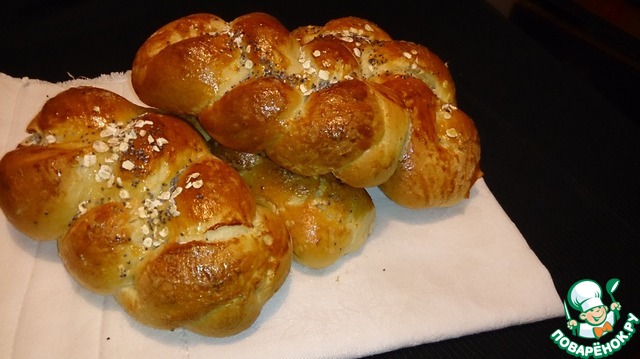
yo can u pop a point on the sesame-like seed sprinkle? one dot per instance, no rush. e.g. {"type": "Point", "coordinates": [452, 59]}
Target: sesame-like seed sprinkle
{"type": "Point", "coordinates": [141, 123]}
{"type": "Point", "coordinates": [238, 40]}
{"type": "Point", "coordinates": [114, 141]}
{"type": "Point", "coordinates": [50, 139]}
{"type": "Point", "coordinates": [89, 160]}
{"type": "Point", "coordinates": [104, 173]}
{"type": "Point", "coordinates": [449, 107]}
{"type": "Point", "coordinates": [248, 64]}
{"type": "Point", "coordinates": [176, 192]}
{"type": "Point", "coordinates": [196, 184]}
{"type": "Point", "coordinates": [111, 181]}
{"type": "Point", "coordinates": [368, 27]}
{"type": "Point", "coordinates": [407, 55]}
{"type": "Point", "coordinates": [166, 195]}
{"type": "Point", "coordinates": [82, 207]}
{"type": "Point", "coordinates": [161, 141]}
{"type": "Point", "coordinates": [142, 213]}
{"type": "Point", "coordinates": [156, 211]}
{"type": "Point", "coordinates": [451, 132]}
{"type": "Point", "coordinates": [316, 53]}
{"type": "Point", "coordinates": [100, 146]}
{"type": "Point", "coordinates": [152, 203]}
{"type": "Point", "coordinates": [109, 131]}
{"type": "Point", "coordinates": [130, 134]}
{"type": "Point", "coordinates": [323, 75]}
{"type": "Point", "coordinates": [357, 52]}
{"type": "Point", "coordinates": [124, 194]}
{"type": "Point", "coordinates": [147, 242]}
{"type": "Point", "coordinates": [128, 165]}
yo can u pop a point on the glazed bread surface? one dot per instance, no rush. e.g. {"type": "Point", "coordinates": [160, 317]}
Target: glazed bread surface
{"type": "Point", "coordinates": [343, 99]}
{"type": "Point", "coordinates": [141, 210]}
{"type": "Point", "coordinates": [326, 218]}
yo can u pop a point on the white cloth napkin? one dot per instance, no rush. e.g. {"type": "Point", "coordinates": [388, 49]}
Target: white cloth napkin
{"type": "Point", "coordinates": [423, 276]}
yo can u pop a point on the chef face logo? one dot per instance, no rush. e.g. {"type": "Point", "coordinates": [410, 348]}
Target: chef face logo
{"type": "Point", "coordinates": [585, 296]}
{"type": "Point", "coordinates": [594, 320]}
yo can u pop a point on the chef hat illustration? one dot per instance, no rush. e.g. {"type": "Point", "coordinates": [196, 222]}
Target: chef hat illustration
{"type": "Point", "coordinates": [585, 294]}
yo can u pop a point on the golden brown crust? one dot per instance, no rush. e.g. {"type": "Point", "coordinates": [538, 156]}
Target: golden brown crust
{"type": "Point", "coordinates": [343, 130]}
{"type": "Point", "coordinates": [94, 247]}
{"type": "Point", "coordinates": [326, 218]}
{"type": "Point", "coordinates": [442, 138]}
{"type": "Point", "coordinates": [215, 288]}
{"type": "Point", "coordinates": [250, 115]}
{"type": "Point", "coordinates": [318, 100]}
{"type": "Point", "coordinates": [143, 211]}
{"type": "Point", "coordinates": [44, 173]}
{"type": "Point", "coordinates": [179, 69]}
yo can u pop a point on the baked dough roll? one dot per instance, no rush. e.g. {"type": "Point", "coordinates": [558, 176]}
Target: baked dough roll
{"type": "Point", "coordinates": [316, 100]}
{"type": "Point", "coordinates": [326, 218]}
{"type": "Point", "coordinates": [141, 210]}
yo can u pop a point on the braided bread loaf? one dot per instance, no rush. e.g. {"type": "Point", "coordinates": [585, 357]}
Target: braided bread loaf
{"type": "Point", "coordinates": [326, 219]}
{"type": "Point", "coordinates": [142, 210]}
{"type": "Point", "coordinates": [343, 99]}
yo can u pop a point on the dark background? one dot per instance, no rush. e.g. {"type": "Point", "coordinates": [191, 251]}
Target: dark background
{"type": "Point", "coordinates": [559, 130]}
